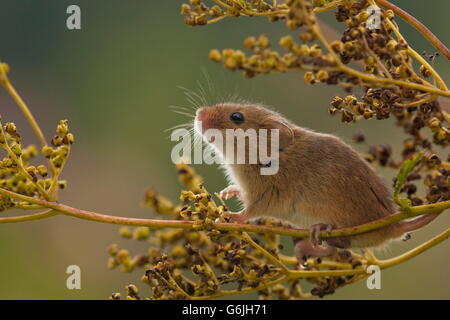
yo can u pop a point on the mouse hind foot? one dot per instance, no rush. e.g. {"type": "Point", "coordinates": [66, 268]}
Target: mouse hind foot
{"type": "Point", "coordinates": [305, 248]}
{"type": "Point", "coordinates": [313, 247]}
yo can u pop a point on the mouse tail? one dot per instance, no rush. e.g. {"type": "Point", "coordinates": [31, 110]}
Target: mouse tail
{"type": "Point", "coordinates": [410, 225]}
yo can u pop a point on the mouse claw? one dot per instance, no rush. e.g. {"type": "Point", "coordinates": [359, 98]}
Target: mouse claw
{"type": "Point", "coordinates": [315, 237]}
{"type": "Point", "coordinates": [230, 192]}
{"type": "Point", "coordinates": [234, 217]}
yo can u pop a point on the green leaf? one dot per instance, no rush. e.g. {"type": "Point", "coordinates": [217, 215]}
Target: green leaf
{"type": "Point", "coordinates": [406, 168]}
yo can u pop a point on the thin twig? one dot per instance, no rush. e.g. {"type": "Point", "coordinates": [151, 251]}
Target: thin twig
{"type": "Point", "coordinates": [419, 26]}
{"type": "Point", "coordinates": [31, 217]}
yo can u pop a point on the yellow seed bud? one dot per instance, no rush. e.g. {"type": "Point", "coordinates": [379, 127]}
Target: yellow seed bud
{"type": "Point", "coordinates": [392, 45]}
{"type": "Point", "coordinates": [62, 130]}
{"type": "Point", "coordinates": [337, 102]}
{"type": "Point", "coordinates": [122, 255]}
{"type": "Point", "coordinates": [47, 151]}
{"type": "Point", "coordinates": [263, 41]}
{"type": "Point", "coordinates": [286, 42]}
{"type": "Point", "coordinates": [306, 36]}
{"type": "Point", "coordinates": [141, 233]}
{"type": "Point", "coordinates": [349, 46]}
{"type": "Point", "coordinates": [442, 134]}
{"type": "Point", "coordinates": [370, 60]}
{"type": "Point", "coordinates": [304, 49]}
{"type": "Point", "coordinates": [4, 67]}
{"type": "Point", "coordinates": [16, 148]}
{"type": "Point", "coordinates": [308, 77]}
{"type": "Point", "coordinates": [125, 232]}
{"type": "Point", "coordinates": [214, 55]}
{"type": "Point", "coordinates": [322, 75]}
{"type": "Point", "coordinates": [112, 249]}
{"type": "Point", "coordinates": [112, 263]}
{"type": "Point", "coordinates": [185, 8]}
{"type": "Point", "coordinates": [292, 24]}
{"type": "Point", "coordinates": [337, 46]}
{"type": "Point", "coordinates": [69, 139]}
{"type": "Point", "coordinates": [58, 161]}
{"type": "Point", "coordinates": [434, 124]}
{"type": "Point", "coordinates": [216, 11]}
{"type": "Point", "coordinates": [390, 14]}
{"type": "Point", "coordinates": [179, 251]}
{"type": "Point", "coordinates": [231, 63]}
{"type": "Point", "coordinates": [132, 289]}
{"type": "Point", "coordinates": [350, 101]}
{"type": "Point", "coordinates": [201, 20]}
{"type": "Point", "coordinates": [227, 53]}
{"type": "Point", "coordinates": [239, 56]}
{"type": "Point", "coordinates": [10, 128]}
{"type": "Point", "coordinates": [363, 15]}
{"type": "Point", "coordinates": [250, 42]}
{"type": "Point", "coordinates": [42, 170]}
{"type": "Point", "coordinates": [424, 71]}
{"type": "Point", "coordinates": [315, 51]}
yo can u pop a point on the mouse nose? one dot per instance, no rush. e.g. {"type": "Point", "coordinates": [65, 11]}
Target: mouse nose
{"type": "Point", "coordinates": [200, 114]}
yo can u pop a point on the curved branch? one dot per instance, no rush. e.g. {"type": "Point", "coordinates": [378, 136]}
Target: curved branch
{"type": "Point", "coordinates": [185, 224]}
{"type": "Point", "coordinates": [4, 80]}
{"type": "Point", "coordinates": [416, 251]}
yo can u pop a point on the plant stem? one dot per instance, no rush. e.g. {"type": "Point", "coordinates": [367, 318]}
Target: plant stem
{"type": "Point", "coordinates": [21, 104]}
{"type": "Point", "coordinates": [418, 57]}
{"type": "Point", "coordinates": [372, 78]}
{"type": "Point", "coordinates": [419, 26]}
{"type": "Point", "coordinates": [26, 111]}
{"type": "Point", "coordinates": [293, 274]}
{"type": "Point", "coordinates": [31, 217]}
{"type": "Point", "coordinates": [416, 251]}
{"type": "Point", "coordinates": [184, 224]}
{"type": "Point", "coordinates": [19, 163]}
{"type": "Point", "coordinates": [245, 237]}
{"type": "Point", "coordinates": [244, 290]}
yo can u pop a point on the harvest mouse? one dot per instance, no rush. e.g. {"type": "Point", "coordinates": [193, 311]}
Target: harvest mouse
{"type": "Point", "coordinates": [321, 183]}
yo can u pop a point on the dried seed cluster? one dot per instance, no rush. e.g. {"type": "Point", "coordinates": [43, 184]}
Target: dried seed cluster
{"type": "Point", "coordinates": [197, 13]}
{"type": "Point", "coordinates": [375, 65]}
{"type": "Point", "coordinates": [18, 174]}
{"type": "Point", "coordinates": [199, 262]}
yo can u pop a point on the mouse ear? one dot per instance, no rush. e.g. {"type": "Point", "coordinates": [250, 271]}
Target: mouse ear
{"type": "Point", "coordinates": [286, 134]}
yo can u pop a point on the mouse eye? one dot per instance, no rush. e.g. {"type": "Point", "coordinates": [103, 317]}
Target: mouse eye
{"type": "Point", "coordinates": [237, 117]}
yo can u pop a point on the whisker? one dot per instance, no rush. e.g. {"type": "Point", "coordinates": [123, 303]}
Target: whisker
{"type": "Point", "coordinates": [179, 107]}
{"type": "Point", "coordinates": [202, 92]}
{"type": "Point", "coordinates": [209, 82]}
{"type": "Point", "coordinates": [184, 113]}
{"type": "Point", "coordinates": [183, 125]}
{"type": "Point", "coordinates": [192, 96]}
{"type": "Point", "coordinates": [189, 126]}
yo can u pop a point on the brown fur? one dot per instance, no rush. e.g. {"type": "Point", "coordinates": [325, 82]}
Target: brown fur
{"type": "Point", "coordinates": [321, 179]}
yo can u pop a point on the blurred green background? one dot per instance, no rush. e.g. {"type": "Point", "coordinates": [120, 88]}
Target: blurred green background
{"type": "Point", "coordinates": [114, 81]}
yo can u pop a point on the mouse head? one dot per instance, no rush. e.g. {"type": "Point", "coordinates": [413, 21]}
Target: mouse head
{"type": "Point", "coordinates": [225, 116]}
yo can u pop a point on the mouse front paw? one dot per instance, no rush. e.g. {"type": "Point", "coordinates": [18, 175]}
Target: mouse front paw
{"type": "Point", "coordinates": [230, 192]}
{"type": "Point", "coordinates": [238, 217]}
